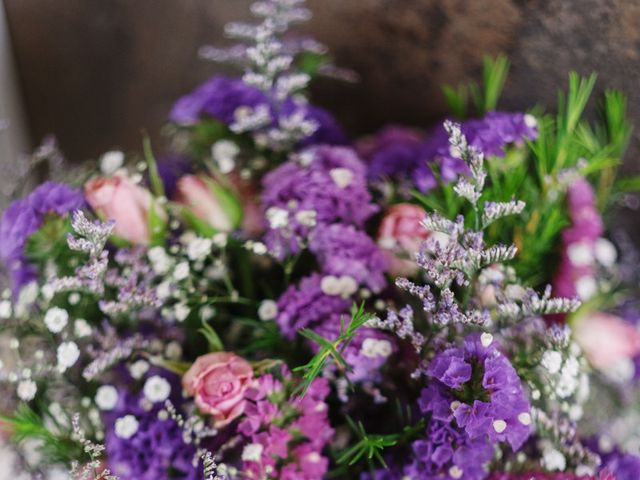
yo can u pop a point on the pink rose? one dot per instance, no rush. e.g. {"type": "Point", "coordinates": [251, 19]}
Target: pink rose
{"type": "Point", "coordinates": [118, 198]}
{"type": "Point", "coordinates": [218, 382]}
{"type": "Point", "coordinates": [210, 202]}
{"type": "Point", "coordinates": [606, 339]}
{"type": "Point", "coordinates": [400, 235]}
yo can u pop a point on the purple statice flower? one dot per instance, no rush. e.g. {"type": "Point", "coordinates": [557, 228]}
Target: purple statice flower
{"type": "Point", "coordinates": [489, 135]}
{"type": "Point", "coordinates": [623, 466]}
{"type": "Point", "coordinates": [575, 276]}
{"type": "Point", "coordinates": [220, 98]}
{"type": "Point", "coordinates": [397, 152]}
{"type": "Point", "coordinates": [320, 186]}
{"type": "Point", "coordinates": [24, 217]}
{"type": "Point", "coordinates": [394, 150]}
{"type": "Point", "coordinates": [366, 354]}
{"type": "Point", "coordinates": [448, 452]}
{"type": "Point", "coordinates": [477, 386]}
{"type": "Point", "coordinates": [475, 400]}
{"type": "Point", "coordinates": [156, 449]}
{"type": "Point", "coordinates": [285, 435]}
{"type": "Point", "coordinates": [306, 305]}
{"type": "Point", "coordinates": [604, 475]}
{"type": "Point", "coordinates": [345, 250]}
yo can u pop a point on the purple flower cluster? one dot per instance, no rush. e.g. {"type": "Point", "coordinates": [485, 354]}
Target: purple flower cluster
{"type": "Point", "coordinates": [220, 97]}
{"type": "Point", "coordinates": [321, 186]}
{"type": "Point", "coordinates": [306, 305]}
{"type": "Point", "coordinates": [344, 250]}
{"type": "Point", "coordinates": [475, 399]}
{"type": "Point", "coordinates": [367, 352]}
{"type": "Point", "coordinates": [328, 185]}
{"type": "Point", "coordinates": [156, 450]}
{"type": "Point", "coordinates": [24, 217]}
{"type": "Point", "coordinates": [399, 152]}
{"type": "Point", "coordinates": [286, 434]}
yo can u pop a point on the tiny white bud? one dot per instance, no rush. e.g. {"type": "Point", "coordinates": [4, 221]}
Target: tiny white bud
{"type": "Point", "coordinates": [342, 177]}
{"type": "Point", "coordinates": [456, 472]}
{"type": "Point", "coordinates": [126, 427]}
{"type": "Point", "coordinates": [106, 397]}
{"type": "Point", "coordinates": [524, 418]}
{"type": "Point", "coordinates": [67, 354]}
{"type": "Point", "coordinates": [27, 390]}
{"type": "Point", "coordinates": [499, 426]}
{"type": "Point", "coordinates": [56, 319]}
{"type": "Point", "coordinates": [252, 452]}
{"type": "Point", "coordinates": [138, 369]}
{"type": "Point", "coordinates": [268, 310]}
{"type": "Point", "coordinates": [486, 339]}
{"type": "Point", "coordinates": [111, 161]}
{"type": "Point", "coordinates": [156, 389]}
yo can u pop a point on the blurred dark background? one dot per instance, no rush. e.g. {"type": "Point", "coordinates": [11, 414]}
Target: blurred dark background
{"type": "Point", "coordinates": [97, 72]}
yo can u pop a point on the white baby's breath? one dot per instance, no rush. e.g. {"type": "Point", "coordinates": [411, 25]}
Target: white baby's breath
{"type": "Point", "coordinates": [56, 319]}
{"type": "Point", "coordinates": [106, 397]}
{"type": "Point", "coordinates": [156, 389]}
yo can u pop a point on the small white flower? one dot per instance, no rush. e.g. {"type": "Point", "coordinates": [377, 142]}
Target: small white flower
{"type": "Point", "coordinates": [224, 153]}
{"type": "Point", "coordinates": [5, 309]}
{"type": "Point", "coordinates": [455, 405]}
{"type": "Point", "coordinates": [268, 310]}
{"type": "Point", "coordinates": [524, 418]}
{"type": "Point", "coordinates": [106, 397]}
{"type": "Point", "coordinates": [111, 161]}
{"type": "Point", "coordinates": [347, 285]}
{"type": "Point", "coordinates": [181, 311]}
{"type": "Point", "coordinates": [456, 472]}
{"type": "Point", "coordinates": [388, 243]}
{"type": "Point", "coordinates": [207, 312]}
{"type": "Point", "coordinates": [27, 390]}
{"type": "Point", "coordinates": [314, 457]}
{"type": "Point", "coordinates": [306, 217]}
{"type": "Point", "coordinates": [252, 452]}
{"type": "Point", "coordinates": [173, 351]}
{"type": "Point", "coordinates": [156, 389]}
{"type": "Point", "coordinates": [552, 361]}
{"type": "Point", "coordinates": [181, 271]}
{"type": "Point", "coordinates": [126, 427]}
{"type": "Point", "coordinates": [81, 328]}
{"type": "Point", "coordinates": [530, 121]}
{"type": "Point", "coordinates": [606, 253]}
{"type": "Point", "coordinates": [373, 347]}
{"type": "Point", "coordinates": [330, 285]}
{"type": "Point", "coordinates": [486, 339]}
{"type": "Point", "coordinates": [199, 248]}
{"type": "Point", "coordinates": [163, 290]}
{"type": "Point", "coordinates": [580, 254]}
{"type": "Point", "coordinates": [575, 412]}
{"type": "Point", "coordinates": [342, 177]}
{"type": "Point", "coordinates": [621, 371]}
{"type": "Point", "coordinates": [74, 298]}
{"type": "Point", "coordinates": [554, 460]}
{"type": "Point", "coordinates": [277, 217]}
{"type": "Point", "coordinates": [499, 426]}
{"type": "Point", "coordinates": [586, 287]}
{"type": "Point", "coordinates": [220, 239]}
{"type": "Point", "coordinates": [160, 261]}
{"type": "Point", "coordinates": [56, 319]}
{"type": "Point", "coordinates": [68, 354]}
{"type": "Point", "coordinates": [138, 369]}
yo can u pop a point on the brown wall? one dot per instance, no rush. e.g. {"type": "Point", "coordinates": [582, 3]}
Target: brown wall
{"type": "Point", "coordinates": [97, 72]}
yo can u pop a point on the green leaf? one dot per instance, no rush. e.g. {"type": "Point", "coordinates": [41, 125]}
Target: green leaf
{"type": "Point", "coordinates": [157, 224]}
{"type": "Point", "coordinates": [175, 366]}
{"type": "Point", "coordinates": [457, 98]}
{"type": "Point", "coordinates": [213, 339]}
{"type": "Point", "coordinates": [157, 186]}
{"type": "Point", "coordinates": [229, 203]}
{"type": "Point", "coordinates": [494, 74]}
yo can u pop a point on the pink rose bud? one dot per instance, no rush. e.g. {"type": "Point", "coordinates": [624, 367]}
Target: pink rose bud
{"type": "Point", "coordinates": [218, 381]}
{"type": "Point", "coordinates": [400, 236]}
{"type": "Point", "coordinates": [606, 339]}
{"type": "Point", "coordinates": [120, 199]}
{"type": "Point", "coordinates": [210, 201]}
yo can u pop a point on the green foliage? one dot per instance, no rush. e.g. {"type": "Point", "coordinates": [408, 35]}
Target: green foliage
{"type": "Point", "coordinates": [533, 173]}
{"type": "Point", "coordinates": [157, 186]}
{"type": "Point", "coordinates": [50, 240]}
{"type": "Point", "coordinates": [331, 349]}
{"type": "Point", "coordinates": [27, 424]}
{"type": "Point", "coordinates": [485, 97]}
{"type": "Point", "coordinates": [213, 339]}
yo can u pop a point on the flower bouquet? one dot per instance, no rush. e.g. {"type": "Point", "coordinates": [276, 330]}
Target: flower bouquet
{"type": "Point", "coordinates": [271, 300]}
